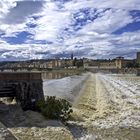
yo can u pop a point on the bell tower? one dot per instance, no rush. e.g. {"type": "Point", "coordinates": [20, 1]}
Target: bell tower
{"type": "Point", "coordinates": [138, 57]}
{"type": "Point", "coordinates": [71, 56]}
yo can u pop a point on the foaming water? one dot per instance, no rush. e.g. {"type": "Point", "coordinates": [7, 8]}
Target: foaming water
{"type": "Point", "coordinates": [67, 88]}
{"type": "Point", "coordinates": [110, 107]}
{"type": "Point", "coordinates": [88, 137]}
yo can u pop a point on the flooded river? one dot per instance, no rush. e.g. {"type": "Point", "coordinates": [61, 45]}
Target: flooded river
{"type": "Point", "coordinates": [105, 107]}
{"type": "Point", "coordinates": [67, 87]}
{"type": "Point", "coordinates": [60, 74]}
{"type": "Point", "coordinates": [109, 108]}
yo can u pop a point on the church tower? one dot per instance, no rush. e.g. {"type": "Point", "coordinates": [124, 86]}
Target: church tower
{"type": "Point", "coordinates": [71, 56]}
{"type": "Point", "coordinates": [138, 57]}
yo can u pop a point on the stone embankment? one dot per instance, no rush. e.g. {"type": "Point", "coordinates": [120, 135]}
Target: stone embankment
{"type": "Point", "coordinates": [25, 86]}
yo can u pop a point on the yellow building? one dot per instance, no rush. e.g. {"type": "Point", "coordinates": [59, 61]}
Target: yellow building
{"type": "Point", "coordinates": [50, 64]}
{"type": "Point", "coordinates": [123, 63]}
{"type": "Point", "coordinates": [119, 62]}
{"type": "Point", "coordinates": [108, 65]}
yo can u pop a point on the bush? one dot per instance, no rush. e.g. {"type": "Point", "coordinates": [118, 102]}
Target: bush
{"type": "Point", "coordinates": [53, 108]}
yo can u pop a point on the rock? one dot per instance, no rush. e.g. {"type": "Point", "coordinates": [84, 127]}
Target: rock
{"type": "Point", "coordinates": [5, 134]}
{"type": "Point", "coordinates": [48, 133]}
{"type": "Point", "coordinates": [3, 108]}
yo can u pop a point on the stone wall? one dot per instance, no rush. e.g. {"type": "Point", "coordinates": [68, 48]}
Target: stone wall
{"type": "Point", "coordinates": [27, 87]}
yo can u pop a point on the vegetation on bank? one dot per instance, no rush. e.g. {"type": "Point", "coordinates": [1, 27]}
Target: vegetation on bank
{"type": "Point", "coordinates": [132, 65]}
{"type": "Point", "coordinates": [53, 108]}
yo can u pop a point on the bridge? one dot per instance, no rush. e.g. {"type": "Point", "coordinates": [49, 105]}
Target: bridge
{"type": "Point", "coordinates": [26, 87]}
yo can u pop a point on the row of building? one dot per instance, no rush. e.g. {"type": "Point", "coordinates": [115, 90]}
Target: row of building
{"type": "Point", "coordinates": [117, 63]}
{"type": "Point", "coordinates": [40, 64]}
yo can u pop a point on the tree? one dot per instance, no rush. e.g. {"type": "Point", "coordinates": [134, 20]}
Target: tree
{"type": "Point", "coordinates": [132, 65]}
{"type": "Point", "coordinates": [74, 61]}
{"type": "Point", "coordinates": [53, 108]}
{"type": "Point", "coordinates": [79, 63]}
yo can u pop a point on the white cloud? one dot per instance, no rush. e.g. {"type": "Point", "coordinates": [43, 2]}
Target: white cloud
{"type": "Point", "coordinates": [110, 21]}
{"type": "Point", "coordinates": [5, 7]}
{"type": "Point", "coordinates": [129, 39]}
{"type": "Point", "coordinates": [51, 23]}
{"type": "Point", "coordinates": [94, 38]}
{"type": "Point", "coordinates": [21, 11]}
{"type": "Point", "coordinates": [99, 4]}
{"type": "Point", "coordinates": [15, 14]}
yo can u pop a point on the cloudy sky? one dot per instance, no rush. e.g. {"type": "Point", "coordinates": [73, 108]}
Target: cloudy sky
{"type": "Point", "coordinates": [38, 29]}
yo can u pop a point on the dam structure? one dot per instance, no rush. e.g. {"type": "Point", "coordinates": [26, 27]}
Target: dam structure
{"type": "Point", "coordinates": [26, 87]}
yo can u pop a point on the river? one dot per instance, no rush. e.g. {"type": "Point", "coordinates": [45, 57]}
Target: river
{"type": "Point", "coordinates": [67, 87]}
{"type": "Point", "coordinates": [107, 107]}
{"type": "Point", "coordinates": [58, 74]}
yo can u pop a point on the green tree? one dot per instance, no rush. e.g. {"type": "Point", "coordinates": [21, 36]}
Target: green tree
{"type": "Point", "coordinates": [74, 61]}
{"type": "Point", "coordinates": [53, 108]}
{"type": "Point", "coordinates": [79, 63]}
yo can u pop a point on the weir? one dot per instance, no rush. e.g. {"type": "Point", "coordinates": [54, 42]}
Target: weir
{"type": "Point", "coordinates": [26, 87]}
{"type": "Point", "coordinates": [114, 70]}
{"type": "Point", "coordinates": [138, 72]}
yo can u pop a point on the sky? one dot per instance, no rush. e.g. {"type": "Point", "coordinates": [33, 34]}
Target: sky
{"type": "Point", "coordinates": [95, 29]}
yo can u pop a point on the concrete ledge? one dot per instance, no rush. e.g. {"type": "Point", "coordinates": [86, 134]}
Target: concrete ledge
{"type": "Point", "coordinates": [20, 76]}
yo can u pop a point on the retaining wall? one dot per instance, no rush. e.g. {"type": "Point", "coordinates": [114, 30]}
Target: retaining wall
{"type": "Point", "coordinates": [27, 86]}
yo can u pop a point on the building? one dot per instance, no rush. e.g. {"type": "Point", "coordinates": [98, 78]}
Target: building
{"type": "Point", "coordinates": [110, 64]}
{"type": "Point", "coordinates": [138, 72]}
{"type": "Point", "coordinates": [85, 63]}
{"type": "Point", "coordinates": [119, 62]}
{"type": "Point", "coordinates": [138, 58]}
{"type": "Point", "coordinates": [72, 56]}
{"type": "Point", "coordinates": [123, 63]}
{"type": "Point", "coordinates": [68, 63]}
{"type": "Point", "coordinates": [94, 63]}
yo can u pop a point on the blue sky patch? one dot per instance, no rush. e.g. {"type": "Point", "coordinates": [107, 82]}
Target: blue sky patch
{"type": "Point", "coordinates": [31, 25]}
{"type": "Point", "coordinates": [41, 42]}
{"type": "Point", "coordinates": [83, 17]}
{"type": "Point", "coordinates": [19, 39]}
{"type": "Point", "coordinates": [132, 27]}
{"type": "Point", "coordinates": [135, 13]}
